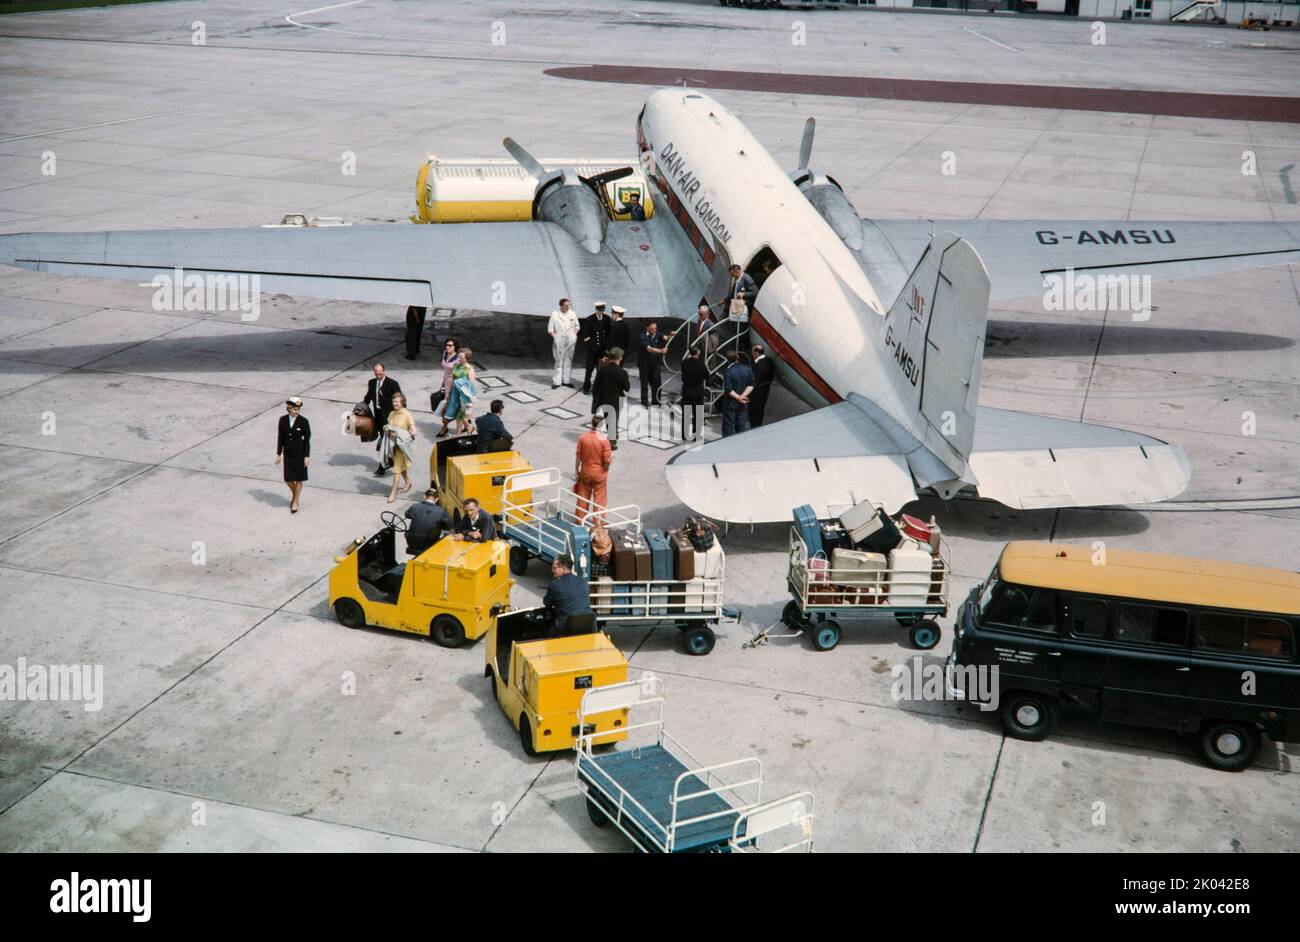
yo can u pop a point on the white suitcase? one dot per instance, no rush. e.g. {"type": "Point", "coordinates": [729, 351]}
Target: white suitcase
{"type": "Point", "coordinates": [714, 560]}
{"type": "Point", "coordinates": [858, 569]}
{"type": "Point", "coordinates": [695, 595]}
{"type": "Point", "coordinates": [910, 569]}
{"type": "Point", "coordinates": [602, 596]}
{"type": "Point", "coordinates": [861, 520]}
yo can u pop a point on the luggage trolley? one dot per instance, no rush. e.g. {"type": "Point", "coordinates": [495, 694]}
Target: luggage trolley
{"type": "Point", "coordinates": [820, 595]}
{"type": "Point", "coordinates": [664, 799]}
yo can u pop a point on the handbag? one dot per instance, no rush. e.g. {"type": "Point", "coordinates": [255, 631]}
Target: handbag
{"type": "Point", "coordinates": [435, 399]}
{"type": "Point", "coordinates": [737, 309]}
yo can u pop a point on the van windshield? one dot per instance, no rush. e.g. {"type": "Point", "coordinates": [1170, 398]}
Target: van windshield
{"type": "Point", "coordinates": [1002, 603]}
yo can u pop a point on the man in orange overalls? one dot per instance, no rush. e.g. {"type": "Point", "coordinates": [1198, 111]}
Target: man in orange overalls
{"type": "Point", "coordinates": [591, 469]}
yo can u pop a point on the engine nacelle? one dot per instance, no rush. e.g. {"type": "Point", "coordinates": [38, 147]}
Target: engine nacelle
{"type": "Point", "coordinates": [564, 199]}
{"type": "Point", "coordinates": [829, 200]}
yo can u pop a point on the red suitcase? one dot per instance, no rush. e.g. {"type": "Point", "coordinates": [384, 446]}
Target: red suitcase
{"type": "Point", "coordinates": [919, 530]}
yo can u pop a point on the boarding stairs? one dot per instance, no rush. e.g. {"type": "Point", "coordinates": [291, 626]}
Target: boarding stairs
{"type": "Point", "coordinates": [1195, 9]}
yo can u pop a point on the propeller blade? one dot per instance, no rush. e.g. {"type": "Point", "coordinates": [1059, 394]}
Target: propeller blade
{"type": "Point", "coordinates": [601, 179]}
{"type": "Point", "coordinates": [805, 146]}
{"type": "Point", "coordinates": [523, 158]}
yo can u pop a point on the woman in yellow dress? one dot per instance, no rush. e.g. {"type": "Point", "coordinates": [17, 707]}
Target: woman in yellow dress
{"type": "Point", "coordinates": [401, 428]}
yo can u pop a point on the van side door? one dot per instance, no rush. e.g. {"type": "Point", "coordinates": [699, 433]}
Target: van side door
{"type": "Point", "coordinates": [1084, 652]}
{"type": "Point", "coordinates": [1021, 625]}
{"type": "Point", "coordinates": [1147, 665]}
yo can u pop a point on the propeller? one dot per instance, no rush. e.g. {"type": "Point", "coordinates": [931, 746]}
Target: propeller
{"type": "Point", "coordinates": [805, 146]}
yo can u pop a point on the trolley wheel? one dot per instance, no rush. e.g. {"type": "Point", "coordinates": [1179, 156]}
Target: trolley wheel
{"type": "Point", "coordinates": [1028, 716]}
{"type": "Point", "coordinates": [826, 635]}
{"type": "Point", "coordinates": [350, 613]}
{"type": "Point", "coordinates": [447, 631]}
{"type": "Point", "coordinates": [526, 735]}
{"type": "Point", "coordinates": [597, 816]}
{"type": "Point", "coordinates": [699, 641]}
{"type": "Point", "coordinates": [518, 560]}
{"type": "Point", "coordinates": [791, 616]}
{"type": "Point", "coordinates": [1229, 746]}
{"type": "Point", "coordinates": [924, 634]}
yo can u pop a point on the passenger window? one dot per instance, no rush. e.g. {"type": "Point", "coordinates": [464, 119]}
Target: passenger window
{"type": "Point", "coordinates": [1220, 631]}
{"type": "Point", "coordinates": [1270, 636]}
{"type": "Point", "coordinates": [1146, 623]}
{"type": "Point", "coordinates": [1021, 607]}
{"type": "Point", "coordinates": [1088, 618]}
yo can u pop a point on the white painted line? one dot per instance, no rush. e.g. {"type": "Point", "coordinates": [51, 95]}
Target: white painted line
{"type": "Point", "coordinates": [990, 39]}
{"type": "Point", "coordinates": [86, 127]}
{"type": "Point", "coordinates": [333, 6]}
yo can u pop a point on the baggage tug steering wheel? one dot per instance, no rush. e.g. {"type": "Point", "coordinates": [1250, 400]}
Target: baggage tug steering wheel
{"type": "Point", "coordinates": [390, 519]}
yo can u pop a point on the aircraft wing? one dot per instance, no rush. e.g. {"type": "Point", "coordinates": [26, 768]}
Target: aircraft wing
{"type": "Point", "coordinates": [1019, 254]}
{"type": "Point", "coordinates": [834, 457]}
{"type": "Point", "coordinates": [522, 267]}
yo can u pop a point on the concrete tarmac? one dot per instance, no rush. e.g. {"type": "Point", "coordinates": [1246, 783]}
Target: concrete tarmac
{"type": "Point", "coordinates": [145, 528]}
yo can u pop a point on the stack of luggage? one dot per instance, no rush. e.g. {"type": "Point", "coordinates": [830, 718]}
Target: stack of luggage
{"type": "Point", "coordinates": [672, 567]}
{"type": "Point", "coordinates": [867, 558]}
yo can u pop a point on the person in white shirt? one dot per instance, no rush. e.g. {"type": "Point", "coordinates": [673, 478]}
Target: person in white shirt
{"type": "Point", "coordinates": [563, 328]}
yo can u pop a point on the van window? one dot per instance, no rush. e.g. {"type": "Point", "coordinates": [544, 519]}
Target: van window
{"type": "Point", "coordinates": [1019, 606]}
{"type": "Point", "coordinates": [1088, 618]}
{"type": "Point", "coordinates": [1147, 623]}
{"type": "Point", "coordinates": [1220, 631]}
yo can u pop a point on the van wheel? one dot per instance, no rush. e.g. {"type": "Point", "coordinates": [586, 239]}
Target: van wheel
{"type": "Point", "coordinates": [597, 816]}
{"type": "Point", "coordinates": [924, 635]}
{"type": "Point", "coordinates": [447, 631]}
{"type": "Point", "coordinates": [699, 641]}
{"type": "Point", "coordinates": [492, 679]}
{"type": "Point", "coordinates": [349, 613]}
{"type": "Point", "coordinates": [1229, 746]}
{"type": "Point", "coordinates": [518, 560]}
{"type": "Point", "coordinates": [1028, 716]}
{"type": "Point", "coordinates": [826, 635]}
{"type": "Point", "coordinates": [526, 735]}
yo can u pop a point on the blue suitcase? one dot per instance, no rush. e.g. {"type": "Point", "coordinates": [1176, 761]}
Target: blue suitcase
{"type": "Point", "coordinates": [808, 527]}
{"type": "Point", "coordinates": [621, 601]}
{"type": "Point", "coordinates": [661, 554]}
{"type": "Point", "coordinates": [580, 548]}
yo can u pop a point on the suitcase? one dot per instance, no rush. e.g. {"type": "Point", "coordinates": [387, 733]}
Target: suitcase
{"type": "Point", "coordinates": [881, 540]}
{"type": "Point", "coordinates": [714, 560]}
{"type": "Point", "coordinates": [580, 548]}
{"type": "Point", "coordinates": [623, 555]}
{"type": "Point", "coordinates": [834, 537]}
{"type": "Point", "coordinates": [910, 569]}
{"type": "Point", "coordinates": [641, 556]}
{"type": "Point", "coordinates": [661, 553]}
{"type": "Point", "coordinates": [861, 520]}
{"type": "Point", "coordinates": [683, 555]}
{"type": "Point", "coordinates": [602, 596]}
{"type": "Point", "coordinates": [858, 570]}
{"type": "Point", "coordinates": [695, 595]}
{"type": "Point", "coordinates": [818, 569]}
{"type": "Point", "coordinates": [622, 604]}
{"type": "Point", "coordinates": [699, 564]}
{"type": "Point", "coordinates": [936, 582]}
{"type": "Point", "coordinates": [922, 532]}
{"type": "Point", "coordinates": [805, 522]}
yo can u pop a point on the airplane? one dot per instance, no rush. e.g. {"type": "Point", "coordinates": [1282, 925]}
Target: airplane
{"type": "Point", "coordinates": [895, 382]}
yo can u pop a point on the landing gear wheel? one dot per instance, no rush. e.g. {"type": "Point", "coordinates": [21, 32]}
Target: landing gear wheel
{"type": "Point", "coordinates": [597, 816]}
{"type": "Point", "coordinates": [826, 635]}
{"type": "Point", "coordinates": [1229, 746]}
{"type": "Point", "coordinates": [447, 631]}
{"type": "Point", "coordinates": [924, 634]}
{"type": "Point", "coordinates": [518, 560]}
{"type": "Point", "coordinates": [526, 735]}
{"type": "Point", "coordinates": [1028, 716]}
{"type": "Point", "coordinates": [790, 615]}
{"type": "Point", "coordinates": [390, 519]}
{"type": "Point", "coordinates": [699, 641]}
{"type": "Point", "coordinates": [349, 613]}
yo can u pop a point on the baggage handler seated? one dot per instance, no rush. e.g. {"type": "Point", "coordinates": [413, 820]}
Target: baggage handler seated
{"type": "Point", "coordinates": [476, 526]}
{"type": "Point", "coordinates": [428, 523]}
{"type": "Point", "coordinates": [567, 595]}
{"type": "Point", "coordinates": [492, 434]}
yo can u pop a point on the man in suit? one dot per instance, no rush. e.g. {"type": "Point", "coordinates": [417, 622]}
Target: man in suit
{"type": "Point", "coordinates": [379, 398]}
{"type": "Point", "coordinates": [492, 434]}
{"type": "Point", "coordinates": [566, 595]}
{"type": "Point", "coordinates": [595, 334]}
{"type": "Point", "coordinates": [653, 347]}
{"type": "Point", "coordinates": [740, 286]}
{"type": "Point", "coordinates": [428, 523]}
{"type": "Point", "coordinates": [632, 206]}
{"type": "Point", "coordinates": [764, 373]}
{"type": "Point", "coordinates": [477, 526]}
{"type": "Point", "coordinates": [414, 330]}
{"type": "Point", "coordinates": [738, 383]}
{"type": "Point", "coordinates": [618, 332]}
{"type": "Point", "coordinates": [607, 392]}
{"type": "Point", "coordinates": [694, 375]}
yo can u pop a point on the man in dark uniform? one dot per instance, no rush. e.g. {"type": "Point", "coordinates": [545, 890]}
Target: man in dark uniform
{"type": "Point", "coordinates": [742, 287]}
{"type": "Point", "coordinates": [428, 523]}
{"type": "Point", "coordinates": [414, 330]}
{"type": "Point", "coordinates": [737, 384]}
{"type": "Point", "coordinates": [653, 347]}
{"type": "Point", "coordinates": [618, 332]}
{"type": "Point", "coordinates": [612, 384]}
{"type": "Point", "coordinates": [566, 595]}
{"type": "Point", "coordinates": [476, 526]}
{"type": "Point", "coordinates": [764, 373]}
{"type": "Point", "coordinates": [379, 397]}
{"type": "Point", "coordinates": [694, 374]}
{"type": "Point", "coordinates": [595, 333]}
{"type": "Point", "coordinates": [633, 206]}
{"type": "Point", "coordinates": [492, 434]}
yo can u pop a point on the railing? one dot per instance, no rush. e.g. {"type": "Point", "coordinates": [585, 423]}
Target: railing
{"type": "Point", "coordinates": [817, 585]}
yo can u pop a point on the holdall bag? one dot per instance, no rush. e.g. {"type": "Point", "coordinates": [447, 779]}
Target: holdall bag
{"type": "Point", "coordinates": [435, 399]}
{"type": "Point", "coordinates": [700, 532]}
{"type": "Point", "coordinates": [882, 540]}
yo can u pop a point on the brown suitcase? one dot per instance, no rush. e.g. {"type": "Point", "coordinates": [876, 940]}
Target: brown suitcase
{"type": "Point", "coordinates": [683, 555]}
{"type": "Point", "coordinates": [641, 552]}
{"type": "Point", "coordinates": [624, 555]}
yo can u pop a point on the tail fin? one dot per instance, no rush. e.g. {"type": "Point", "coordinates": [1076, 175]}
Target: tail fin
{"type": "Point", "coordinates": [935, 332]}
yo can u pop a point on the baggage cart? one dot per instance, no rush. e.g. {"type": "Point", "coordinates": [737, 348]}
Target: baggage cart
{"type": "Point", "coordinates": [821, 595]}
{"type": "Point", "coordinates": [666, 801]}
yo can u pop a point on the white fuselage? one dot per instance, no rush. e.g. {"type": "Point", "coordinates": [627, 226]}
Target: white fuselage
{"type": "Point", "coordinates": [818, 312]}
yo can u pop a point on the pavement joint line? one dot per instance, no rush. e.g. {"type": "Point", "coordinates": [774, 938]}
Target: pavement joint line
{"type": "Point", "coordinates": [70, 320]}
{"type": "Point", "coordinates": [85, 127]}
{"type": "Point", "coordinates": [526, 792]}
{"type": "Point", "coordinates": [135, 588]}
{"type": "Point", "coordinates": [1011, 172]}
{"type": "Point", "coordinates": [988, 796]}
{"type": "Point", "coordinates": [84, 500]}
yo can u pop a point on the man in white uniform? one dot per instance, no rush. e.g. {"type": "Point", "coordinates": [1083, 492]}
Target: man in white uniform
{"type": "Point", "coordinates": [563, 328]}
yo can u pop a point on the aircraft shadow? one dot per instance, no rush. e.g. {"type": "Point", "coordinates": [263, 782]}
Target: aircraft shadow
{"type": "Point", "coordinates": [1051, 339]}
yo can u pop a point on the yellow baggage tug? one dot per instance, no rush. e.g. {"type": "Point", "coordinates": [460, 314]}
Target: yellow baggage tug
{"type": "Point", "coordinates": [451, 592]}
{"type": "Point", "coordinates": [481, 477]}
{"type": "Point", "coordinates": [539, 680]}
